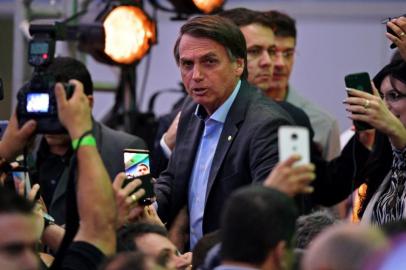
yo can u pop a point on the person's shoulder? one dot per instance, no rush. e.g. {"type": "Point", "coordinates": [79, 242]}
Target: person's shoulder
{"type": "Point", "coordinates": [261, 108]}
{"type": "Point", "coordinates": [312, 110]}
{"type": "Point", "coordinates": [119, 136]}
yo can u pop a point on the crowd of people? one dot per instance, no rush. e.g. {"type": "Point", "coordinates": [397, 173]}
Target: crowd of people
{"type": "Point", "coordinates": [224, 201]}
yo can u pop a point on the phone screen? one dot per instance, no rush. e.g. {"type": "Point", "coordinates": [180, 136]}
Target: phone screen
{"type": "Point", "coordinates": [136, 162]}
{"type": "Point", "coordinates": [137, 165]}
{"type": "Point", "coordinates": [360, 81]}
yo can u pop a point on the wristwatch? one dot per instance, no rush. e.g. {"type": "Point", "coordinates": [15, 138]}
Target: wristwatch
{"type": "Point", "coordinates": [48, 220]}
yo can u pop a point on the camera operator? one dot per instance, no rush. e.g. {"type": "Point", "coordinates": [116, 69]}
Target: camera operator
{"type": "Point", "coordinates": [96, 236]}
{"type": "Point", "coordinates": [53, 152]}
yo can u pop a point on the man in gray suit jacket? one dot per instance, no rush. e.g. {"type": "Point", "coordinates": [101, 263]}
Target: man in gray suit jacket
{"type": "Point", "coordinates": [227, 132]}
{"type": "Point", "coordinates": [53, 156]}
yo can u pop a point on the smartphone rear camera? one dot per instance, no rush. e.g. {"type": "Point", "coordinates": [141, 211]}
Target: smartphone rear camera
{"type": "Point", "coordinates": [294, 136]}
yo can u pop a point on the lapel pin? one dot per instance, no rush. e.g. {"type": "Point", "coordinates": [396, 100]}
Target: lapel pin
{"type": "Point", "coordinates": [229, 138]}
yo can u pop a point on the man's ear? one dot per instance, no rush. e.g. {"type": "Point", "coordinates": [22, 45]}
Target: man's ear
{"type": "Point", "coordinates": [277, 257]}
{"type": "Point", "coordinates": [239, 66]}
{"type": "Point", "coordinates": [91, 100]}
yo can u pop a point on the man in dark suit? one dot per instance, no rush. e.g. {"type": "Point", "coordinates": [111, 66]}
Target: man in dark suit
{"type": "Point", "coordinates": [227, 132]}
{"type": "Point", "coordinates": [54, 152]}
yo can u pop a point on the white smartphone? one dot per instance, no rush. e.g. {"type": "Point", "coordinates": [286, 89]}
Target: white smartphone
{"type": "Point", "coordinates": [294, 140]}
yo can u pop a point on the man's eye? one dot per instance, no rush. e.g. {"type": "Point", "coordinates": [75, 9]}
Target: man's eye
{"type": "Point", "coordinates": [272, 52]}
{"type": "Point", "coordinates": [186, 64]}
{"type": "Point", "coordinates": [254, 51]}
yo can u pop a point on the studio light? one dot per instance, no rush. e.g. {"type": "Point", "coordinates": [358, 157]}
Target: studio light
{"type": "Point", "coordinates": [129, 34]}
{"type": "Point", "coordinates": [208, 6]}
{"type": "Point", "coordinates": [184, 8]}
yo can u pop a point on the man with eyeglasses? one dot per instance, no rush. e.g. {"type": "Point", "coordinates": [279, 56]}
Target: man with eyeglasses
{"type": "Point", "coordinates": [327, 134]}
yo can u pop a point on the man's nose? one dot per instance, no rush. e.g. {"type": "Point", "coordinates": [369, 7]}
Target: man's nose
{"type": "Point", "coordinates": [279, 60]}
{"type": "Point", "coordinates": [265, 59]}
{"type": "Point", "coordinates": [197, 73]}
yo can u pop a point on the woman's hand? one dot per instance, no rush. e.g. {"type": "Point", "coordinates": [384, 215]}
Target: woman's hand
{"type": "Point", "coordinates": [370, 108]}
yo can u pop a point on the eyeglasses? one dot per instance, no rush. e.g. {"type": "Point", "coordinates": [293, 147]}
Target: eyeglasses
{"type": "Point", "coordinates": [393, 95]}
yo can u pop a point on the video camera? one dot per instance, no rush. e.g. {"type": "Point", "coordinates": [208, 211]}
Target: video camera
{"type": "Point", "coordinates": [36, 100]}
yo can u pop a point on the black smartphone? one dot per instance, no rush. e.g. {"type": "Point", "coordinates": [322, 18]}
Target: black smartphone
{"type": "Point", "coordinates": [360, 81]}
{"type": "Point", "coordinates": [137, 166]}
{"type": "Point", "coordinates": [3, 126]}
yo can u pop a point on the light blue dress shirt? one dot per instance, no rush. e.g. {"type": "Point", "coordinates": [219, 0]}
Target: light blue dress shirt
{"type": "Point", "coordinates": [213, 126]}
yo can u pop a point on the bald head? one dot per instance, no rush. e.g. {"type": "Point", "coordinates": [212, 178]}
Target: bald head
{"type": "Point", "coordinates": [343, 246]}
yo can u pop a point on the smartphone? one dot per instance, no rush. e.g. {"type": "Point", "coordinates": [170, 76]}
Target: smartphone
{"type": "Point", "coordinates": [137, 166]}
{"type": "Point", "coordinates": [3, 126]}
{"type": "Point", "coordinates": [360, 81]}
{"type": "Point", "coordinates": [294, 140]}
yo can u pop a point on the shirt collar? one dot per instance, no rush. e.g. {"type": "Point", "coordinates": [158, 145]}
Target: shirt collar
{"type": "Point", "coordinates": [221, 113]}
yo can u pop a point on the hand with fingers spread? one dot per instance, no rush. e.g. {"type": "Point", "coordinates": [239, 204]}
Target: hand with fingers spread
{"type": "Point", "coordinates": [291, 179]}
{"type": "Point", "coordinates": [74, 113]}
{"type": "Point", "coordinates": [126, 199]}
{"type": "Point", "coordinates": [398, 25]}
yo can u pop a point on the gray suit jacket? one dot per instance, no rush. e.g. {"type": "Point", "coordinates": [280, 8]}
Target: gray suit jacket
{"type": "Point", "coordinates": [246, 153]}
{"type": "Point", "coordinates": [110, 144]}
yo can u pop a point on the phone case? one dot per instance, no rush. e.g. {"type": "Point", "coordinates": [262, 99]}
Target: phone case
{"type": "Point", "coordinates": [294, 140]}
{"type": "Point", "coordinates": [360, 81]}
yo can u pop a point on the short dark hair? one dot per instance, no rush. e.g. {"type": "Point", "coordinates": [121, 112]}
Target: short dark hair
{"type": "Point", "coordinates": [67, 68]}
{"type": "Point", "coordinates": [244, 16]}
{"type": "Point", "coordinates": [127, 234]}
{"type": "Point", "coordinates": [285, 26]}
{"type": "Point", "coordinates": [220, 30]}
{"type": "Point", "coordinates": [395, 69]}
{"type": "Point", "coordinates": [203, 246]}
{"type": "Point", "coordinates": [309, 226]}
{"type": "Point", "coordinates": [254, 221]}
{"type": "Point", "coordinates": [11, 203]}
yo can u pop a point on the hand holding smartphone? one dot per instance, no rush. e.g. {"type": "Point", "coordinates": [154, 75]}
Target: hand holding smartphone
{"type": "Point", "coordinates": [360, 81]}
{"type": "Point", "coordinates": [294, 140]}
{"type": "Point", "coordinates": [137, 166]}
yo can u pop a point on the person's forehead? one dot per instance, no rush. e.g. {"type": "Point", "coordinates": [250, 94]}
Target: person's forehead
{"type": "Point", "coordinates": [16, 227]}
{"type": "Point", "coordinates": [285, 42]}
{"type": "Point", "coordinates": [253, 32]}
{"type": "Point", "coordinates": [191, 46]}
{"type": "Point", "coordinates": [154, 241]}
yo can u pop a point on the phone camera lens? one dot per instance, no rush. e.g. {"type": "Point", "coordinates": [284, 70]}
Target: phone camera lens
{"type": "Point", "coordinates": [294, 136]}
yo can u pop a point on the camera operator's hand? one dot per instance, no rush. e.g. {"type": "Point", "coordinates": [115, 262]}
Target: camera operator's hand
{"type": "Point", "coordinates": [15, 139]}
{"type": "Point", "coordinates": [74, 113]}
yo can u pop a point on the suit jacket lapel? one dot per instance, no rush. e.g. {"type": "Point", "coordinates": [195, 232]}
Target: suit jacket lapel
{"type": "Point", "coordinates": [230, 130]}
